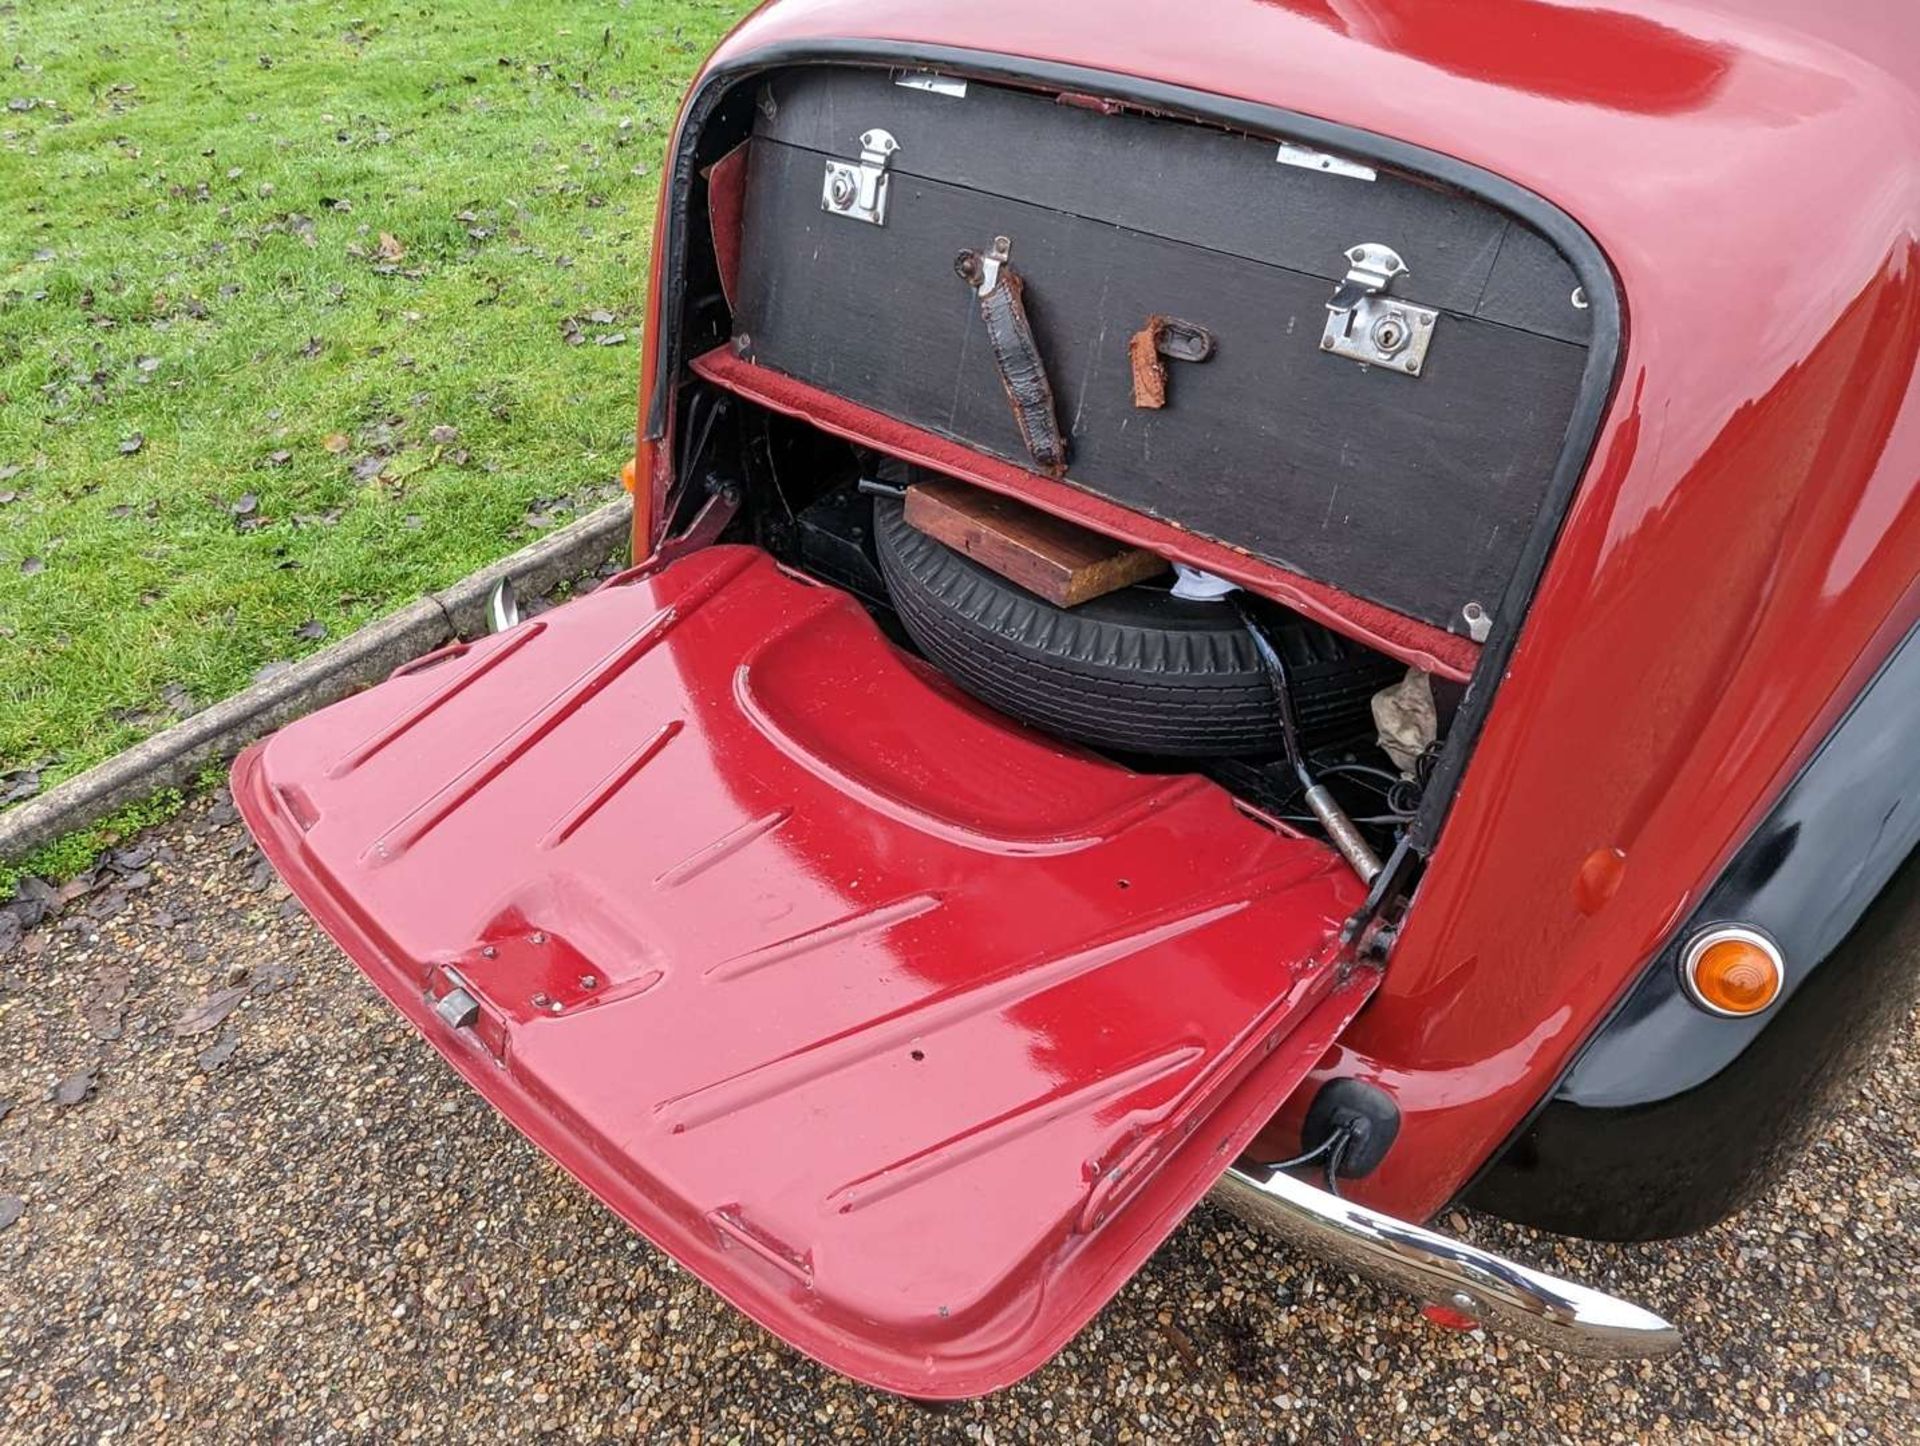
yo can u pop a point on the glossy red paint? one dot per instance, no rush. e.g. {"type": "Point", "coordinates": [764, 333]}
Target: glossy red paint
{"type": "Point", "coordinates": [1408, 639]}
{"type": "Point", "coordinates": [1743, 549]}
{"type": "Point", "coordinates": [910, 1031]}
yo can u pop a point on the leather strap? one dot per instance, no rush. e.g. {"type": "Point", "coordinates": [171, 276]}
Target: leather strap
{"type": "Point", "coordinates": [1016, 354]}
{"type": "Point", "coordinates": [1163, 336]}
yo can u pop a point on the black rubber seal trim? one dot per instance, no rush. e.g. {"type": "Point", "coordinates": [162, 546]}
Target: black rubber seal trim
{"type": "Point", "coordinates": [1589, 264]}
{"type": "Point", "coordinates": [1714, 905]}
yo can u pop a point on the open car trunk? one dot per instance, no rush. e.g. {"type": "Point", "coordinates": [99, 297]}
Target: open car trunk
{"type": "Point", "coordinates": [910, 1031]}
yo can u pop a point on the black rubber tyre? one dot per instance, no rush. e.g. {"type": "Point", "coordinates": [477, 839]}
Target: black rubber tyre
{"type": "Point", "coordinates": [1137, 671]}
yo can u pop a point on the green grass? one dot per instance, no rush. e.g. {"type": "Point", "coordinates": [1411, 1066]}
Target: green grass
{"type": "Point", "coordinates": [192, 204]}
{"type": "Point", "coordinates": [72, 854]}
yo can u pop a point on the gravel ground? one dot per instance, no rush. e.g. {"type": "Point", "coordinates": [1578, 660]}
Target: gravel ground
{"type": "Point", "coordinates": [292, 1222]}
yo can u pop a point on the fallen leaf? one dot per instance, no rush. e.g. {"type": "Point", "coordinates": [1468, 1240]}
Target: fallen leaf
{"type": "Point", "coordinates": [74, 1088]}
{"type": "Point", "coordinates": [616, 338]}
{"type": "Point", "coordinates": [390, 248]}
{"type": "Point", "coordinates": [215, 1055]}
{"type": "Point", "coordinates": [33, 899]}
{"type": "Point", "coordinates": [336, 442]}
{"type": "Point", "coordinates": [6, 497]}
{"type": "Point", "coordinates": [208, 1013]}
{"type": "Point", "coordinates": [111, 985]}
{"type": "Point", "coordinates": [32, 567]}
{"type": "Point", "coordinates": [443, 435]}
{"type": "Point", "coordinates": [106, 1003]}
{"type": "Point", "coordinates": [312, 630]}
{"type": "Point", "coordinates": [133, 444]}
{"type": "Point", "coordinates": [1181, 1342]}
{"type": "Point", "coordinates": [244, 505]}
{"type": "Point", "coordinates": [313, 347]}
{"type": "Point", "coordinates": [11, 1208]}
{"type": "Point", "coordinates": [600, 318]}
{"type": "Point", "coordinates": [369, 468]}
{"type": "Point", "coordinates": [11, 928]}
{"type": "Point", "coordinates": [267, 672]}
{"type": "Point", "coordinates": [279, 458]}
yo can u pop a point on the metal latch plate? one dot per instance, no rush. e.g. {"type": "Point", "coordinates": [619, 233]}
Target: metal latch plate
{"type": "Point", "coordinates": [1365, 324]}
{"type": "Point", "coordinates": [934, 82]}
{"type": "Point", "coordinates": [858, 189]}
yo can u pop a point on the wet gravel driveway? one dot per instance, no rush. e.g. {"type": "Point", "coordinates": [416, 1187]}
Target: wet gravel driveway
{"type": "Point", "coordinates": [238, 1200]}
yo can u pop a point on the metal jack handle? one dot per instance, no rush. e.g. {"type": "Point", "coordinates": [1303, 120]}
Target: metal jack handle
{"type": "Point", "coordinates": [1333, 818]}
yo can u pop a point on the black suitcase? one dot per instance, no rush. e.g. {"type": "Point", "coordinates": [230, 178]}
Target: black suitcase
{"type": "Point", "coordinates": [1409, 477]}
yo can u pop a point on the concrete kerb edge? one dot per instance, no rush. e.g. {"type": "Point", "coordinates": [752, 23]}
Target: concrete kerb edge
{"type": "Point", "coordinates": [174, 756]}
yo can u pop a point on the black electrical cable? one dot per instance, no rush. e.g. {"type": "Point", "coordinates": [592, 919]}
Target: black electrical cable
{"type": "Point", "coordinates": [1363, 770]}
{"type": "Point", "coordinates": [1310, 1156]}
{"type": "Point", "coordinates": [1332, 1151]}
{"type": "Point", "coordinates": [1340, 1139]}
{"type": "Point", "coordinates": [1340, 830]}
{"type": "Point", "coordinates": [696, 449]}
{"type": "Point", "coordinates": [1276, 670]}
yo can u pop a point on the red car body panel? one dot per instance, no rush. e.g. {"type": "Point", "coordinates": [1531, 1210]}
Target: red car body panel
{"type": "Point", "coordinates": [1743, 549]}
{"type": "Point", "coordinates": [913, 1032]}
{"type": "Point", "coordinates": [1418, 644]}
{"type": "Point", "coordinates": [909, 1030]}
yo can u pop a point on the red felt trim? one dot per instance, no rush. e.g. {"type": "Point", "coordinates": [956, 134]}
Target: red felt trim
{"type": "Point", "coordinates": [1411, 641]}
{"type": "Point", "coordinates": [726, 203]}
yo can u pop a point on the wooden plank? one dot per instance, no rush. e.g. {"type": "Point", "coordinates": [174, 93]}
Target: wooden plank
{"type": "Point", "coordinates": [1414, 493]}
{"type": "Point", "coordinates": [1047, 555]}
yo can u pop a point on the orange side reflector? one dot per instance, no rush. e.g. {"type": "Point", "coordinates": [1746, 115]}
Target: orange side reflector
{"type": "Point", "coordinates": [1733, 971]}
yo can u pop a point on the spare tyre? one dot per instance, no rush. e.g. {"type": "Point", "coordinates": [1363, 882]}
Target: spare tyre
{"type": "Point", "coordinates": [1137, 671]}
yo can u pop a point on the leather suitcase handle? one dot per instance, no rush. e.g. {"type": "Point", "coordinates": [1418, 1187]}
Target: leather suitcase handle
{"type": "Point", "coordinates": [1015, 352]}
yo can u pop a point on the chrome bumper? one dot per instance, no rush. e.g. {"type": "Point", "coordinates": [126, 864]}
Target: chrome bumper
{"type": "Point", "coordinates": [1498, 1293]}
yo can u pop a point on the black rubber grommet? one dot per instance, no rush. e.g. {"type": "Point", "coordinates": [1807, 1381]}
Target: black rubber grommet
{"type": "Point", "coordinates": [1367, 1114]}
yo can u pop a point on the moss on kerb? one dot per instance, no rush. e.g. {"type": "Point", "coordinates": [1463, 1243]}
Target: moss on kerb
{"type": "Point", "coordinates": [76, 852]}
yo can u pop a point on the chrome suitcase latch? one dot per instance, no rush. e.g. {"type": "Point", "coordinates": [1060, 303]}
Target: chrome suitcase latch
{"type": "Point", "coordinates": [1364, 324]}
{"type": "Point", "coordinates": [858, 189]}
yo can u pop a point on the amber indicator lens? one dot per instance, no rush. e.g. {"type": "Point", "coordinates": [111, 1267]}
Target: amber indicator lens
{"type": "Point", "coordinates": [1732, 971]}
